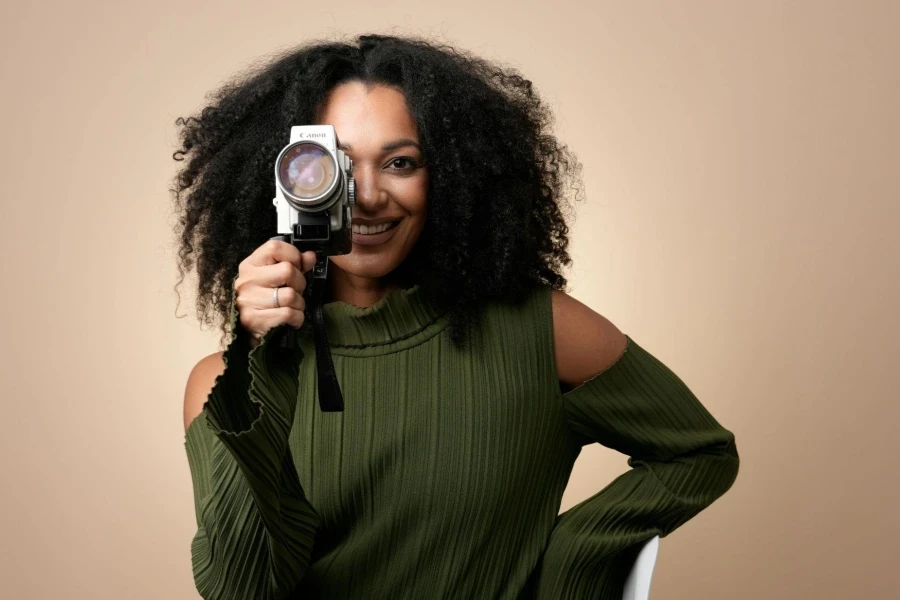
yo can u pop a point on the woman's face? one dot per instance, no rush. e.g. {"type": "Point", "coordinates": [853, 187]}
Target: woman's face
{"type": "Point", "coordinates": [374, 128]}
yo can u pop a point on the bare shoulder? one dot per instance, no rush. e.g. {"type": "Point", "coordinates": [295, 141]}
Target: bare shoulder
{"type": "Point", "coordinates": [199, 384]}
{"type": "Point", "coordinates": [585, 342]}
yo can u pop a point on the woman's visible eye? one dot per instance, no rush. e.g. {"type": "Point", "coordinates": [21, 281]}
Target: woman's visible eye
{"type": "Point", "coordinates": [405, 163]}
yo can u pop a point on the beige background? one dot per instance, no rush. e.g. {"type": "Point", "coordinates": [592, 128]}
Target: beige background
{"type": "Point", "coordinates": [741, 176]}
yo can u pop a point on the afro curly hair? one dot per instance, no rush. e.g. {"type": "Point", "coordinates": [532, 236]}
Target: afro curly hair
{"type": "Point", "coordinates": [496, 220]}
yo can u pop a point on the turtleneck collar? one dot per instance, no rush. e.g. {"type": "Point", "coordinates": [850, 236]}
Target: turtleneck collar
{"type": "Point", "coordinates": [400, 319]}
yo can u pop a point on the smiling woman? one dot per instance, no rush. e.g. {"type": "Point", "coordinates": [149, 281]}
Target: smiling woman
{"type": "Point", "coordinates": [375, 128]}
{"type": "Point", "coordinates": [458, 149]}
{"type": "Point", "coordinates": [471, 379]}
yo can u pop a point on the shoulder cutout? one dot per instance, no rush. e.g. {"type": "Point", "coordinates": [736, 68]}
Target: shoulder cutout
{"type": "Point", "coordinates": [585, 343]}
{"type": "Point", "coordinates": [199, 385]}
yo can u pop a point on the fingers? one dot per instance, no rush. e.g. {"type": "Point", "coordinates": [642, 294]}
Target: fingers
{"type": "Point", "coordinates": [276, 267]}
{"type": "Point", "coordinates": [290, 283]}
{"type": "Point", "coordinates": [287, 297]}
{"type": "Point", "coordinates": [309, 261]}
{"type": "Point", "coordinates": [256, 306]}
{"type": "Point", "coordinates": [259, 321]}
{"type": "Point", "coordinates": [277, 263]}
{"type": "Point", "coordinates": [274, 251]}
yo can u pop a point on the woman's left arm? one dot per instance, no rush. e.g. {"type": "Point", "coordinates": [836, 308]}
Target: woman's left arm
{"type": "Point", "coordinates": [681, 458]}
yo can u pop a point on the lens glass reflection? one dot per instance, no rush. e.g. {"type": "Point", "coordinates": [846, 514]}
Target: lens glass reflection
{"type": "Point", "coordinates": [306, 170]}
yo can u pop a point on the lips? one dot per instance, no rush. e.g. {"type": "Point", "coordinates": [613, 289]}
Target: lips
{"type": "Point", "coordinates": [375, 239]}
{"type": "Point", "coordinates": [373, 228]}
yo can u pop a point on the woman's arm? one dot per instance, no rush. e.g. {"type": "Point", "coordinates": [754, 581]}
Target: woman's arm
{"type": "Point", "coordinates": [681, 458]}
{"type": "Point", "coordinates": [255, 526]}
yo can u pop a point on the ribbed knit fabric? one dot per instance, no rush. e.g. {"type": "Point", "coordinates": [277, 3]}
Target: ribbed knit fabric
{"type": "Point", "coordinates": [442, 477]}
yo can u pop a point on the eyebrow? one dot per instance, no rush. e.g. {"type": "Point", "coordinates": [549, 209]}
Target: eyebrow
{"type": "Point", "coordinates": [401, 143]}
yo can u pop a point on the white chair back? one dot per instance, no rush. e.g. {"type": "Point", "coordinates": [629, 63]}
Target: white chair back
{"type": "Point", "coordinates": [637, 586]}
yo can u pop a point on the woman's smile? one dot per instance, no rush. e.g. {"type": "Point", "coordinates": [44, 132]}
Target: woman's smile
{"type": "Point", "coordinates": [374, 235]}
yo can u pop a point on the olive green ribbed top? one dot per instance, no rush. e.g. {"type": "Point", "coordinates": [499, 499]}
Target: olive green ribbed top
{"type": "Point", "coordinates": [442, 477]}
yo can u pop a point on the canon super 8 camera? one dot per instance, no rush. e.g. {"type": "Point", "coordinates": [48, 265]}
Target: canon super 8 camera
{"type": "Point", "coordinates": [314, 190]}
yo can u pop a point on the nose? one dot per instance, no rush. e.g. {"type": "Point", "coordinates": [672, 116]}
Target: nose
{"type": "Point", "coordinates": [370, 198]}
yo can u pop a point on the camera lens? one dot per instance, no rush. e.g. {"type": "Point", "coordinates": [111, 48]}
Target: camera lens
{"type": "Point", "coordinates": [305, 173]}
{"type": "Point", "coordinates": [307, 170]}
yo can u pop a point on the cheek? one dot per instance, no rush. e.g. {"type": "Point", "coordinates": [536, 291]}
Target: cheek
{"type": "Point", "coordinates": [418, 208]}
{"type": "Point", "coordinates": [412, 195]}
{"type": "Point", "coordinates": [416, 221]}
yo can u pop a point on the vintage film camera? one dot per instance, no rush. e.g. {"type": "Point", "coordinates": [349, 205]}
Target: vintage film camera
{"type": "Point", "coordinates": [314, 190]}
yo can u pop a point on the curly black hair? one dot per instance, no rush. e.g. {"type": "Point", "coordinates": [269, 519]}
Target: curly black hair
{"type": "Point", "coordinates": [496, 220]}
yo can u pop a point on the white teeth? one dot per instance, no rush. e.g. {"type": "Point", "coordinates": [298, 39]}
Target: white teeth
{"type": "Point", "coordinates": [368, 230]}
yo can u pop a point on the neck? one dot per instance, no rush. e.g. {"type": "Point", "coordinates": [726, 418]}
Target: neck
{"type": "Point", "coordinates": [353, 289]}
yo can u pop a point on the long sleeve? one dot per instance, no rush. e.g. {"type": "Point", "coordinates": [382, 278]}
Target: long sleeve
{"type": "Point", "coordinates": [255, 526]}
{"type": "Point", "coordinates": [681, 460]}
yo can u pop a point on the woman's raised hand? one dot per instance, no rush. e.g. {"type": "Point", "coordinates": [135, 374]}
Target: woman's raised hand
{"type": "Point", "coordinates": [275, 264]}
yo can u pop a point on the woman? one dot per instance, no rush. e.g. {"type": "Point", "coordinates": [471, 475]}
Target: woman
{"type": "Point", "coordinates": [471, 380]}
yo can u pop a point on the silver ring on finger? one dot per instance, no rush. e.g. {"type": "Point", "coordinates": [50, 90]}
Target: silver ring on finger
{"type": "Point", "coordinates": [275, 296]}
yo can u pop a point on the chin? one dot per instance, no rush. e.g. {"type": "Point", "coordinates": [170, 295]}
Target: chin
{"type": "Point", "coordinates": [376, 262]}
{"type": "Point", "coordinates": [369, 265]}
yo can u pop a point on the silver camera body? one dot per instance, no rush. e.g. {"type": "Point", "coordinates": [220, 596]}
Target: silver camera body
{"type": "Point", "coordinates": [314, 190]}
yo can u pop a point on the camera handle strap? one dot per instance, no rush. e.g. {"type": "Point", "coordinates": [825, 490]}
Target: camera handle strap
{"type": "Point", "coordinates": [330, 397]}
